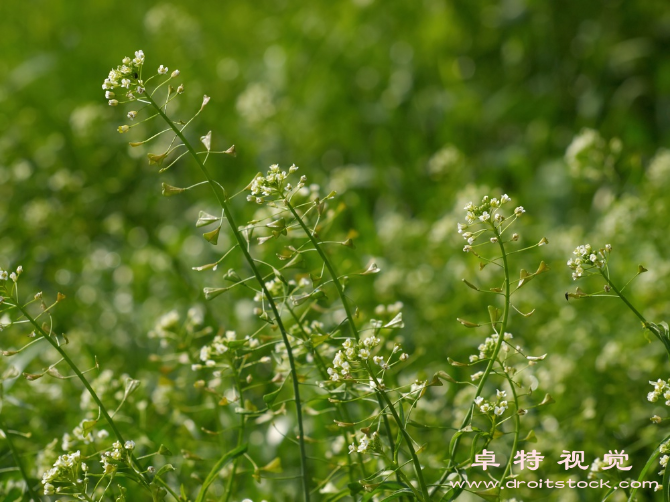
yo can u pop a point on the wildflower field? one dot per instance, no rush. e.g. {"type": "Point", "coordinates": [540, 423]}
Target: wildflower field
{"type": "Point", "coordinates": [334, 251]}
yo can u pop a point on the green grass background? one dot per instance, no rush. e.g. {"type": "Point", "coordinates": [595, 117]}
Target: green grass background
{"type": "Point", "coordinates": [408, 110]}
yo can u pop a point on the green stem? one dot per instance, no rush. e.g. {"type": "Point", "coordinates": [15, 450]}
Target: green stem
{"type": "Point", "coordinates": [82, 378]}
{"type": "Point", "coordinates": [17, 459]}
{"type": "Point", "coordinates": [218, 193]}
{"type": "Point", "coordinates": [240, 436]}
{"type": "Point", "coordinates": [645, 323]}
{"type": "Point", "coordinates": [350, 318]}
{"type": "Point", "coordinates": [331, 270]}
{"type": "Point", "coordinates": [489, 366]}
{"type": "Point", "coordinates": [405, 434]}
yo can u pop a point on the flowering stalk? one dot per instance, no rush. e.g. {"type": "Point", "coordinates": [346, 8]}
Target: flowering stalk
{"type": "Point", "coordinates": [17, 459]}
{"type": "Point", "coordinates": [381, 395]}
{"type": "Point", "coordinates": [83, 379]}
{"type": "Point", "coordinates": [489, 367]}
{"type": "Point", "coordinates": [221, 198]}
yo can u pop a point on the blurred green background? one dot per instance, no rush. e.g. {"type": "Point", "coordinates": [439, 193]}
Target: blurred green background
{"type": "Point", "coordinates": [407, 109]}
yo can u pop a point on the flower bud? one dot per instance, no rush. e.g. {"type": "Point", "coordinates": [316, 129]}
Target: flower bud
{"type": "Point", "coordinates": [113, 102]}
{"type": "Point", "coordinates": [175, 74]}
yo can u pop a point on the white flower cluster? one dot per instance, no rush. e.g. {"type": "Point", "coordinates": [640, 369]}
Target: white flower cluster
{"type": "Point", "coordinates": [65, 470]}
{"type": "Point", "coordinates": [365, 444]}
{"type": "Point", "coordinates": [127, 76]}
{"type": "Point", "coordinates": [357, 353]}
{"type": "Point", "coordinates": [488, 212]}
{"type": "Point", "coordinates": [14, 276]}
{"type": "Point", "coordinates": [117, 456]}
{"type": "Point", "coordinates": [587, 258]}
{"type": "Point", "coordinates": [497, 406]}
{"type": "Point", "coordinates": [272, 183]}
{"type": "Point", "coordinates": [275, 287]}
{"type": "Point", "coordinates": [661, 388]}
{"type": "Point", "coordinates": [665, 450]}
{"type": "Point", "coordinates": [218, 347]}
{"type": "Point", "coordinates": [486, 349]}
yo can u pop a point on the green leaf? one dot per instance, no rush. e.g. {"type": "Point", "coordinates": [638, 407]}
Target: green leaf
{"type": "Point", "coordinates": [165, 469]}
{"type": "Point", "coordinates": [214, 473]}
{"type": "Point", "coordinates": [205, 219]}
{"type": "Point", "coordinates": [272, 396]}
{"type": "Point", "coordinates": [467, 324]}
{"type": "Point", "coordinates": [164, 450]}
{"type": "Point", "coordinates": [169, 190]}
{"type": "Point", "coordinates": [213, 236]}
{"type": "Point", "coordinates": [494, 314]}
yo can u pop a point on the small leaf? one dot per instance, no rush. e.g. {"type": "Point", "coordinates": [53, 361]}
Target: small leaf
{"type": "Point", "coordinates": [272, 396]}
{"type": "Point", "coordinates": [547, 400]}
{"type": "Point", "coordinates": [396, 322]}
{"type": "Point", "coordinates": [205, 219]}
{"type": "Point", "coordinates": [435, 382]}
{"type": "Point", "coordinates": [494, 314]}
{"type": "Point", "coordinates": [467, 324]}
{"type": "Point", "coordinates": [372, 269]}
{"type": "Point", "coordinates": [232, 276]}
{"type": "Point", "coordinates": [530, 437]}
{"type": "Point", "coordinates": [279, 224]}
{"type": "Point", "coordinates": [165, 468]}
{"type": "Point", "coordinates": [470, 285]}
{"type": "Point", "coordinates": [273, 466]}
{"type": "Point", "coordinates": [455, 363]}
{"type": "Point", "coordinates": [543, 267]}
{"type": "Point", "coordinates": [207, 138]}
{"type": "Point", "coordinates": [33, 376]}
{"type": "Point", "coordinates": [213, 236]}
{"type": "Point", "coordinates": [211, 293]}
{"type": "Point", "coordinates": [156, 159]}
{"type": "Point", "coordinates": [641, 269]}
{"type": "Point", "coordinates": [263, 240]}
{"type": "Point", "coordinates": [164, 450]}
{"type": "Point", "coordinates": [169, 190]}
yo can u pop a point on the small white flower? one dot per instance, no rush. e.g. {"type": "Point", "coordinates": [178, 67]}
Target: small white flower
{"type": "Point", "coordinates": [404, 356]}
{"type": "Point", "coordinates": [494, 240]}
{"type": "Point", "coordinates": [162, 70]}
{"type": "Point", "coordinates": [364, 353]}
{"type": "Point", "coordinates": [479, 400]}
{"type": "Point", "coordinates": [467, 248]}
{"type": "Point", "coordinates": [485, 216]}
{"type": "Point", "coordinates": [175, 74]}
{"type": "Point", "coordinates": [109, 95]}
{"type": "Point", "coordinates": [129, 445]}
{"type": "Point", "coordinates": [656, 419]}
{"type": "Point", "coordinates": [378, 360]}
{"type": "Point", "coordinates": [515, 237]}
{"type": "Point", "coordinates": [113, 102]}
{"type": "Point", "coordinates": [501, 393]}
{"type": "Point", "coordinates": [505, 198]}
{"type": "Point", "coordinates": [499, 410]}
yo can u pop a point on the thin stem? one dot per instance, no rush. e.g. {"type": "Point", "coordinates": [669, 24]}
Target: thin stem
{"type": "Point", "coordinates": [240, 435]}
{"type": "Point", "coordinates": [17, 459]}
{"type": "Point", "coordinates": [380, 393]}
{"type": "Point", "coordinates": [220, 196]}
{"type": "Point", "coordinates": [331, 270]}
{"type": "Point", "coordinates": [645, 323]}
{"type": "Point", "coordinates": [405, 434]}
{"type": "Point", "coordinates": [82, 378]}
{"type": "Point", "coordinates": [489, 366]}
